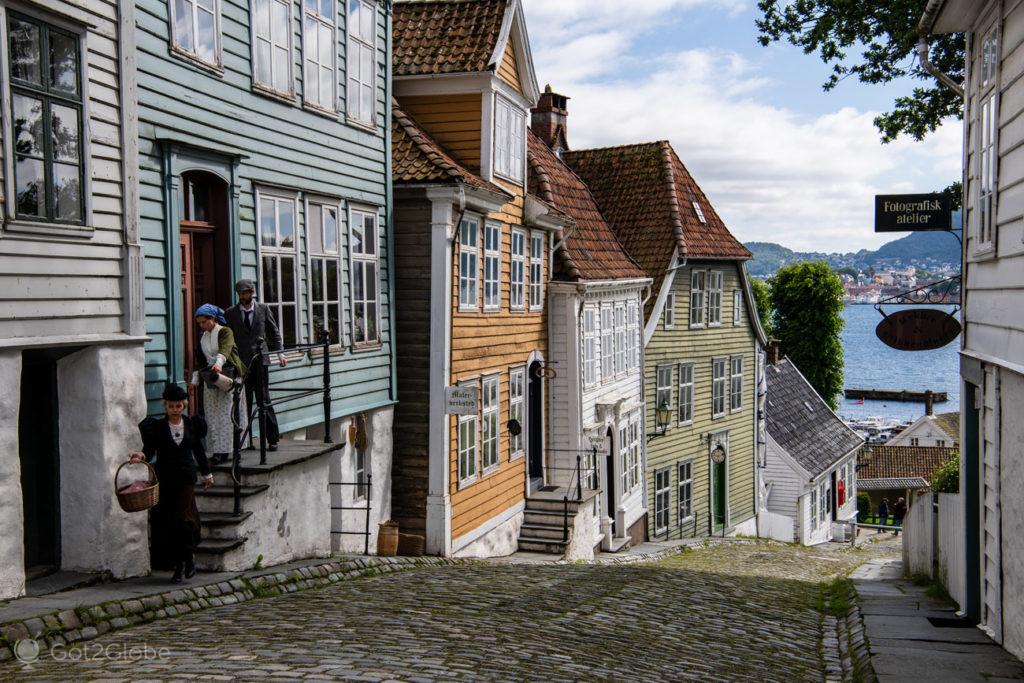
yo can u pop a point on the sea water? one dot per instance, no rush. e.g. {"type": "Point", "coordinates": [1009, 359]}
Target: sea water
{"type": "Point", "coordinates": [870, 364]}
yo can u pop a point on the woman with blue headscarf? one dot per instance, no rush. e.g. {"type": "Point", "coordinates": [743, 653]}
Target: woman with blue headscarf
{"type": "Point", "coordinates": [221, 355]}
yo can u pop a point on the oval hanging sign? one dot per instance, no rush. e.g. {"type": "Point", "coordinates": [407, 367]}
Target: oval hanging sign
{"type": "Point", "coordinates": [918, 329]}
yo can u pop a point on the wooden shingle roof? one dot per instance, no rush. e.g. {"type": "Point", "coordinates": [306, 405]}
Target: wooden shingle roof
{"type": "Point", "coordinates": [894, 462]}
{"type": "Point", "coordinates": [590, 250]}
{"type": "Point", "coordinates": [446, 36]}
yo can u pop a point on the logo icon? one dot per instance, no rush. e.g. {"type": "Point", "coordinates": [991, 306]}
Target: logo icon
{"type": "Point", "coordinates": [27, 651]}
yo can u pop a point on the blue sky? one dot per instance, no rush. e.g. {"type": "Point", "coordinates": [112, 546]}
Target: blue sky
{"type": "Point", "coordinates": [781, 160]}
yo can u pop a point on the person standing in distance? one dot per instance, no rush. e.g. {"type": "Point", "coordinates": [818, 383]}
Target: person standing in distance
{"type": "Point", "coordinates": [251, 321]}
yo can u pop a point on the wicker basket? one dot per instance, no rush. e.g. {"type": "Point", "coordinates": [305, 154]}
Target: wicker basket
{"type": "Point", "coordinates": [137, 501]}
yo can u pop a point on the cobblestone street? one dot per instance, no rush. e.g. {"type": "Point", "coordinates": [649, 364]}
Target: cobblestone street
{"type": "Point", "coordinates": [742, 611]}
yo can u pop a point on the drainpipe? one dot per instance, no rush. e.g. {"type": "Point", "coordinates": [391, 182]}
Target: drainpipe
{"type": "Point", "coordinates": [389, 200]}
{"type": "Point", "coordinates": [943, 77]}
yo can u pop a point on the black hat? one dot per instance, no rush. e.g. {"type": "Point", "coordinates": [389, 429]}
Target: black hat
{"type": "Point", "coordinates": [172, 392]}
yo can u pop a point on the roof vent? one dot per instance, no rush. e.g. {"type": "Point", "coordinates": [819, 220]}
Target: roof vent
{"type": "Point", "coordinates": [809, 406]}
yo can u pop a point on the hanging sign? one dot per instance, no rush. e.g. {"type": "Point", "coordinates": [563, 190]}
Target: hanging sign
{"type": "Point", "coordinates": [918, 329]}
{"type": "Point", "coordinates": [461, 401]}
{"type": "Point", "coordinates": [913, 212]}
{"type": "Point", "coordinates": [599, 442]}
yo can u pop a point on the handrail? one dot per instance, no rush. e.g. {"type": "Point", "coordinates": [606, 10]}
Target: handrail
{"type": "Point", "coordinates": [579, 495]}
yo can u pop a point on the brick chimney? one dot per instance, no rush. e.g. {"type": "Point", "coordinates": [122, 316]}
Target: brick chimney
{"type": "Point", "coordinates": [774, 352]}
{"type": "Point", "coordinates": [929, 402]}
{"type": "Point", "coordinates": [549, 117]}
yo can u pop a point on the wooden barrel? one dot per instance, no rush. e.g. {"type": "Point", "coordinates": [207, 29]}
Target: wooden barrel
{"type": "Point", "coordinates": [387, 539]}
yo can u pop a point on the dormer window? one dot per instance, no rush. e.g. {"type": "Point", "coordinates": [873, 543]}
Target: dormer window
{"type": "Point", "coordinates": [509, 140]}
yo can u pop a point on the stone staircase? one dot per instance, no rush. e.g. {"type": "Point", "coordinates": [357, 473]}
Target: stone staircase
{"type": "Point", "coordinates": [224, 532]}
{"type": "Point", "coordinates": [543, 529]}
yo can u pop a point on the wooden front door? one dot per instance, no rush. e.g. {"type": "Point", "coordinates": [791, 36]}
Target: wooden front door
{"type": "Point", "coordinates": [38, 450]}
{"type": "Point", "coordinates": [609, 479]}
{"type": "Point", "coordinates": [535, 428]}
{"type": "Point", "coordinates": [718, 494]}
{"type": "Point", "coordinates": [188, 306]}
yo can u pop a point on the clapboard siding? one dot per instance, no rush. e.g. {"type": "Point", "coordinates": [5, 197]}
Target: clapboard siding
{"type": "Point", "coordinates": [699, 346]}
{"type": "Point", "coordinates": [59, 286]}
{"type": "Point", "coordinates": [277, 145]}
{"type": "Point", "coordinates": [508, 70]}
{"type": "Point", "coordinates": [454, 121]}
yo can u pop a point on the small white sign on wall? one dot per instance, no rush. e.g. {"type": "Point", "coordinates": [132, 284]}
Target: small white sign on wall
{"type": "Point", "coordinates": [461, 401]}
{"type": "Point", "coordinates": [598, 441]}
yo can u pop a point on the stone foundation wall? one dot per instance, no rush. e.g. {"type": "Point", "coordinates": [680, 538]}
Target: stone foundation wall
{"type": "Point", "coordinates": [12, 549]}
{"type": "Point", "coordinates": [500, 541]}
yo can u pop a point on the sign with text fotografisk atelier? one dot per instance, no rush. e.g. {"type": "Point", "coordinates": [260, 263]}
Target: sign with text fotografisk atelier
{"type": "Point", "coordinates": [461, 401]}
{"type": "Point", "coordinates": [913, 212]}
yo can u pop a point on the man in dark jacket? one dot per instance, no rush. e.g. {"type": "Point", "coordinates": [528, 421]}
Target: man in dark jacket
{"type": "Point", "coordinates": [252, 321]}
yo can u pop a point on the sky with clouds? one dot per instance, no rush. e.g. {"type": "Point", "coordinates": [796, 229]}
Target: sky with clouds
{"type": "Point", "coordinates": [781, 160]}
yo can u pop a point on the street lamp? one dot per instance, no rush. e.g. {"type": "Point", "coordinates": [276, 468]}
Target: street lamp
{"type": "Point", "coordinates": [663, 416]}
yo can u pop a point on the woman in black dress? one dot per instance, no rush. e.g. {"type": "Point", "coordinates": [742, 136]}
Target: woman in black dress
{"type": "Point", "coordinates": [174, 444]}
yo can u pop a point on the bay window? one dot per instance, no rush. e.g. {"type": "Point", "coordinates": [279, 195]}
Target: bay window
{"type": "Point", "coordinates": [509, 139]}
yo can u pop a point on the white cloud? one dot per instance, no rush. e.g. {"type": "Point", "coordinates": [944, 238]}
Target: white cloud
{"type": "Point", "coordinates": [772, 173]}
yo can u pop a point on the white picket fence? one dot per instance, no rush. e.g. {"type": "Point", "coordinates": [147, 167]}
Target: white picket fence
{"type": "Point", "coordinates": [933, 541]}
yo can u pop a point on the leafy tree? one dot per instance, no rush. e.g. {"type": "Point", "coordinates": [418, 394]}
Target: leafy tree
{"type": "Point", "coordinates": [947, 478]}
{"type": "Point", "coordinates": [885, 34]}
{"type": "Point", "coordinates": [763, 303]}
{"type": "Point", "coordinates": [808, 302]}
{"type": "Point", "coordinates": [863, 506]}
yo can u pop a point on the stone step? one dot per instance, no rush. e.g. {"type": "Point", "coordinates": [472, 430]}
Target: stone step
{"type": "Point", "coordinates": [546, 518]}
{"type": "Point", "coordinates": [212, 553]}
{"type": "Point", "coordinates": [229, 491]}
{"type": "Point", "coordinates": [551, 505]}
{"type": "Point", "coordinates": [545, 532]}
{"type": "Point", "coordinates": [219, 519]}
{"type": "Point", "coordinates": [221, 499]}
{"type": "Point", "coordinates": [542, 546]}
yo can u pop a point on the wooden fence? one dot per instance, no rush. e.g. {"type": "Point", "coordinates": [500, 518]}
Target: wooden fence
{"type": "Point", "coordinates": [933, 541]}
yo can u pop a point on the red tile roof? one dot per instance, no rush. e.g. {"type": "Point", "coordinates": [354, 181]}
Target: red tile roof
{"type": "Point", "coordinates": [446, 36]}
{"type": "Point", "coordinates": [590, 251]}
{"type": "Point", "coordinates": [647, 195]}
{"type": "Point", "coordinates": [891, 462]}
{"type": "Point", "coordinates": [418, 158]}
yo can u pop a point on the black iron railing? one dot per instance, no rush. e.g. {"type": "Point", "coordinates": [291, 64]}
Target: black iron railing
{"type": "Point", "coordinates": [366, 489]}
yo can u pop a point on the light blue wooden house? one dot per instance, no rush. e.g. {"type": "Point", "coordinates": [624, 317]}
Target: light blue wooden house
{"type": "Point", "coordinates": [264, 153]}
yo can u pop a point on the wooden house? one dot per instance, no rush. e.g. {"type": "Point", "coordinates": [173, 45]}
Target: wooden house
{"type": "Point", "coordinates": [472, 267]}
{"type": "Point", "coordinates": [597, 293]}
{"type": "Point", "coordinates": [263, 154]}
{"type": "Point", "coordinates": [71, 344]}
{"type": "Point", "coordinates": [702, 341]}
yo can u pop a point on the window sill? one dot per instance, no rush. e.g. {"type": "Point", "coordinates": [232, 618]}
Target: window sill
{"type": "Point", "coordinates": [362, 125]}
{"type": "Point", "coordinates": [688, 423]}
{"type": "Point", "coordinates": [469, 309]}
{"type": "Point", "coordinates": [736, 411]}
{"type": "Point", "coordinates": [190, 58]}
{"type": "Point", "coordinates": [492, 469]}
{"type": "Point", "coordinates": [466, 483]}
{"type": "Point", "coordinates": [367, 348]}
{"type": "Point", "coordinates": [54, 229]}
{"type": "Point", "coordinates": [508, 179]}
{"type": "Point", "coordinates": [710, 325]}
{"type": "Point", "coordinates": [492, 309]}
{"type": "Point", "coordinates": [985, 252]}
{"type": "Point", "coordinates": [331, 114]}
{"type": "Point", "coordinates": [700, 326]}
{"type": "Point", "coordinates": [685, 520]}
{"type": "Point", "coordinates": [335, 350]}
{"type": "Point", "coordinates": [517, 456]}
{"type": "Point", "coordinates": [719, 416]}
{"type": "Point", "coordinates": [267, 91]}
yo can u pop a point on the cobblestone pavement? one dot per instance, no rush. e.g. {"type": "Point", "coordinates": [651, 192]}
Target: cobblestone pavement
{"type": "Point", "coordinates": [742, 611]}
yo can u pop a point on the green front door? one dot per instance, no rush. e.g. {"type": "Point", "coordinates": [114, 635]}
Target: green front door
{"type": "Point", "coordinates": [718, 494]}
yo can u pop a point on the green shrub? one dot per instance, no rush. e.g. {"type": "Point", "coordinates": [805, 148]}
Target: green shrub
{"type": "Point", "coordinates": [947, 478]}
{"type": "Point", "coordinates": [863, 506]}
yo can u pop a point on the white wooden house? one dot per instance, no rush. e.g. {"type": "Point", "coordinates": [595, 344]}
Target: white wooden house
{"type": "Point", "coordinates": [939, 431]}
{"type": "Point", "coordinates": [810, 474]}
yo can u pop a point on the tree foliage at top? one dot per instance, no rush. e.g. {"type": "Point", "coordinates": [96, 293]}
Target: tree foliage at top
{"type": "Point", "coordinates": [884, 33]}
{"type": "Point", "coordinates": [808, 302]}
{"type": "Point", "coordinates": [947, 478]}
{"type": "Point", "coordinates": [763, 303]}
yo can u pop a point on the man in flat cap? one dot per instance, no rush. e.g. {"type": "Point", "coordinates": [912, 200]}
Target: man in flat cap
{"type": "Point", "coordinates": [251, 321]}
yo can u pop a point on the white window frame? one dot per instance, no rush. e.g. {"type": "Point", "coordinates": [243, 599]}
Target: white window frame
{"type": "Point", "coordinates": [275, 45]}
{"type": "Point", "coordinates": [988, 142]}
{"type": "Point", "coordinates": [714, 295]}
{"type": "Point", "coordinates": [737, 306]}
{"type": "Point", "coordinates": [492, 256]}
{"type": "Point", "coordinates": [670, 311]}
{"type": "Point", "coordinates": [517, 410]}
{"type": "Point", "coordinates": [509, 140]}
{"type": "Point", "coordinates": [940, 443]}
{"type": "Point", "coordinates": [357, 47]}
{"type": "Point", "coordinates": [686, 390]}
{"type": "Point", "coordinates": [324, 254]}
{"type": "Point", "coordinates": [736, 384]}
{"type": "Point", "coordinates": [700, 212]}
{"type": "Point", "coordinates": [621, 352]}
{"type": "Point", "coordinates": [590, 351]}
{"type": "Point", "coordinates": [517, 272]}
{"type": "Point", "coordinates": [469, 263]}
{"type": "Point", "coordinates": [277, 252]}
{"type": "Point", "coordinates": [193, 54]}
{"type": "Point", "coordinates": [359, 473]}
{"type": "Point", "coordinates": [365, 258]}
{"type": "Point", "coordinates": [319, 21]}
{"type": "Point", "coordinates": [684, 492]}
{"type": "Point", "coordinates": [662, 500]}
{"type": "Point", "coordinates": [814, 507]}
{"type": "Point", "coordinates": [468, 456]}
{"type": "Point", "coordinates": [663, 380]}
{"type": "Point", "coordinates": [915, 442]}
{"type": "Point", "coordinates": [823, 502]}
{"type": "Point", "coordinates": [629, 453]}
{"type": "Point", "coordinates": [632, 336]}
{"type": "Point", "coordinates": [719, 387]}
{"type": "Point", "coordinates": [490, 411]}
{"type": "Point", "coordinates": [536, 271]}
{"type": "Point", "coordinates": [698, 283]}
{"type": "Point", "coordinates": [607, 350]}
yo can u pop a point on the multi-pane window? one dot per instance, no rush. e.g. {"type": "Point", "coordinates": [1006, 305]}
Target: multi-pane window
{"type": "Point", "coordinates": [324, 271]}
{"type": "Point", "coordinates": [686, 393]}
{"type": "Point", "coordinates": [359, 467]}
{"type": "Point", "coordinates": [517, 276]}
{"type": "Point", "coordinates": [607, 343]}
{"type": "Point", "coordinates": [988, 159]}
{"type": "Point", "coordinates": [684, 483]}
{"type": "Point", "coordinates": [629, 453]}
{"type": "Point", "coordinates": [276, 217]}
{"type": "Point", "coordinates": [365, 252]}
{"type": "Point", "coordinates": [516, 411]}
{"type": "Point", "coordinates": [590, 335]}
{"type": "Point", "coordinates": [814, 508]}
{"type": "Point", "coordinates": [632, 336]}
{"type": "Point", "coordinates": [737, 307]}
{"type": "Point", "coordinates": [715, 297]}
{"type": "Point", "coordinates": [719, 381]}
{"type": "Point", "coordinates": [492, 267]}
{"type": "Point", "coordinates": [670, 311]}
{"type": "Point", "coordinates": [319, 53]}
{"type": "Point", "coordinates": [914, 441]}
{"type": "Point", "coordinates": [195, 29]}
{"type": "Point", "coordinates": [509, 139]}
{"type": "Point", "coordinates": [700, 212]}
{"type": "Point", "coordinates": [662, 499]}
{"type": "Point", "coordinates": [361, 60]}
{"type": "Point", "coordinates": [697, 298]}
{"type": "Point", "coordinates": [272, 44]}
{"type": "Point", "coordinates": [467, 446]}
{"type": "Point", "coordinates": [736, 383]}
{"type": "Point", "coordinates": [490, 431]}
{"type": "Point", "coordinates": [46, 121]}
{"type": "Point", "coordinates": [823, 502]}
{"type": "Point", "coordinates": [663, 394]}
{"type": "Point", "coordinates": [620, 339]}
{"type": "Point", "coordinates": [536, 271]}
{"type": "Point", "coordinates": [941, 443]}
{"type": "Point", "coordinates": [469, 263]}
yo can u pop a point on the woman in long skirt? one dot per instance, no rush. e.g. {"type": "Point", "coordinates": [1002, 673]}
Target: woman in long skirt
{"type": "Point", "coordinates": [175, 444]}
{"type": "Point", "coordinates": [223, 361]}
